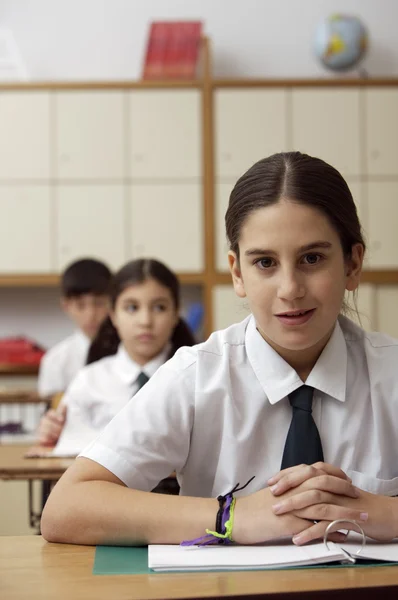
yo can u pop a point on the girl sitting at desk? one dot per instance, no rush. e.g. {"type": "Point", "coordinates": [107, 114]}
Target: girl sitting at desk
{"type": "Point", "coordinates": [277, 425]}
{"type": "Point", "coordinates": [142, 332]}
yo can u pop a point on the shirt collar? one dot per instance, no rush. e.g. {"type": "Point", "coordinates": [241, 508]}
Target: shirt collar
{"type": "Point", "coordinates": [82, 339]}
{"type": "Point", "coordinates": [128, 370]}
{"type": "Point", "coordinates": [278, 379]}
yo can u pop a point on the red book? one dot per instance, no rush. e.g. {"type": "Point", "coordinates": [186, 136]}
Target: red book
{"type": "Point", "coordinates": [172, 50]}
{"type": "Point", "coordinates": [156, 50]}
{"type": "Point", "coordinates": [188, 59]}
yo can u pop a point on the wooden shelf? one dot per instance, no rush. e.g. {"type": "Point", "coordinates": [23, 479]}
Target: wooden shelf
{"type": "Point", "coordinates": [52, 280]}
{"type": "Point", "coordinates": [379, 277]}
{"type": "Point", "coordinates": [21, 397]}
{"type": "Point", "coordinates": [323, 82]}
{"type": "Point", "coordinates": [197, 83]}
{"type": "Point", "coordinates": [54, 86]}
{"type": "Point", "coordinates": [11, 369]}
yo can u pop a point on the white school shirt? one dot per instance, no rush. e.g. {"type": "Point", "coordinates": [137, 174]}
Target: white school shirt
{"type": "Point", "coordinates": [218, 413]}
{"type": "Point", "coordinates": [102, 388]}
{"type": "Point", "coordinates": [60, 364]}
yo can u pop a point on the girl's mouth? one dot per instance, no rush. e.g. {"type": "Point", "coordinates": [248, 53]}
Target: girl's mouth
{"type": "Point", "coordinates": [295, 317]}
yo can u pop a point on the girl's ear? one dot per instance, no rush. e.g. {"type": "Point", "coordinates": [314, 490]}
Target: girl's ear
{"type": "Point", "coordinates": [234, 267]}
{"type": "Point", "coordinates": [354, 267]}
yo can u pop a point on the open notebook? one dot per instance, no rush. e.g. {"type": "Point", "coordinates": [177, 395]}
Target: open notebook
{"type": "Point", "coordinates": [266, 556]}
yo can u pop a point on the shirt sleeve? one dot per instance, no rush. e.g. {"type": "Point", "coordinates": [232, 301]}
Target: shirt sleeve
{"type": "Point", "coordinates": [50, 379]}
{"type": "Point", "coordinates": [150, 437]}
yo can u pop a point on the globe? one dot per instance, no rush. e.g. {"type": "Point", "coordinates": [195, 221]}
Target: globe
{"type": "Point", "coordinates": [341, 42]}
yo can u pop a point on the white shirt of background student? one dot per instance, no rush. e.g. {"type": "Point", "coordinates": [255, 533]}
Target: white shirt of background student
{"type": "Point", "coordinates": [97, 394]}
{"type": "Point", "coordinates": [144, 320]}
{"type": "Point", "coordinates": [61, 363]}
{"type": "Point", "coordinates": [219, 412]}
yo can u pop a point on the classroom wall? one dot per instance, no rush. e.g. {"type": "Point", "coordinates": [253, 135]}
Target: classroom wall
{"type": "Point", "coordinates": [105, 39]}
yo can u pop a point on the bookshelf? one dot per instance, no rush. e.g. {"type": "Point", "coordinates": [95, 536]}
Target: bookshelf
{"type": "Point", "coordinates": [211, 172]}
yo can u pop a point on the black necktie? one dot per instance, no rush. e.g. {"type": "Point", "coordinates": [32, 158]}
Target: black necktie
{"type": "Point", "coordinates": [303, 444]}
{"type": "Point", "coordinates": [141, 380]}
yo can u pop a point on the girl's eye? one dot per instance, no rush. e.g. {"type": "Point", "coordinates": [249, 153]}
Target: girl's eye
{"type": "Point", "coordinates": [312, 259]}
{"type": "Point", "coordinates": [160, 307]}
{"type": "Point", "coordinates": [131, 307]}
{"type": "Point", "coordinates": [265, 263]}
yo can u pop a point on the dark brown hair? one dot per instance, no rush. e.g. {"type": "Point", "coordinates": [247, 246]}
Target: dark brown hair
{"type": "Point", "coordinates": [86, 276]}
{"type": "Point", "coordinates": [300, 178]}
{"type": "Point", "coordinates": [138, 271]}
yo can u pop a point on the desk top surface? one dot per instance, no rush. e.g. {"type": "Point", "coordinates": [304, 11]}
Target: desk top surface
{"type": "Point", "coordinates": [31, 568]}
{"type": "Point", "coordinates": [13, 465]}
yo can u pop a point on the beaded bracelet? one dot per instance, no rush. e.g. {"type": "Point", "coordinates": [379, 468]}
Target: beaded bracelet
{"type": "Point", "coordinates": [224, 521]}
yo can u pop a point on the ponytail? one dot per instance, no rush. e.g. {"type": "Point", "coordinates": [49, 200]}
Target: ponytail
{"type": "Point", "coordinates": [182, 336]}
{"type": "Point", "coordinates": [105, 343]}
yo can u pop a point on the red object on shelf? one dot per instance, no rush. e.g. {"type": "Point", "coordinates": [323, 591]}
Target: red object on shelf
{"type": "Point", "coordinates": [20, 351]}
{"type": "Point", "coordinates": [172, 50]}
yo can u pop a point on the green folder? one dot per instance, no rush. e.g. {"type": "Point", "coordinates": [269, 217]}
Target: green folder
{"type": "Point", "coordinates": [127, 560]}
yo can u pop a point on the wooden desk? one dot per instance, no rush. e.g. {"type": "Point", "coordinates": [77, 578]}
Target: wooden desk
{"type": "Point", "coordinates": [13, 466]}
{"type": "Point", "coordinates": [31, 568]}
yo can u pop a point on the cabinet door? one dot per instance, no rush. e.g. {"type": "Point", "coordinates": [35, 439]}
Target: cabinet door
{"type": "Point", "coordinates": [359, 194]}
{"type": "Point", "coordinates": [363, 311]}
{"type": "Point", "coordinates": [228, 308]}
{"type": "Point", "coordinates": [167, 224]}
{"type": "Point", "coordinates": [25, 226]}
{"type": "Point", "coordinates": [164, 134]}
{"type": "Point", "coordinates": [382, 224]}
{"type": "Point", "coordinates": [249, 125]}
{"type": "Point", "coordinates": [325, 123]}
{"type": "Point", "coordinates": [222, 192]}
{"type": "Point", "coordinates": [382, 131]}
{"type": "Point", "coordinates": [25, 135]}
{"type": "Point", "coordinates": [387, 314]}
{"type": "Point", "coordinates": [91, 223]}
{"type": "Point", "coordinates": [89, 135]}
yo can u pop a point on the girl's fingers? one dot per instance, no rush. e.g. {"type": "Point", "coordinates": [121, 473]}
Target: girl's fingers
{"type": "Point", "coordinates": [331, 512]}
{"type": "Point", "coordinates": [317, 531]}
{"type": "Point", "coordinates": [319, 489]}
{"type": "Point", "coordinates": [303, 472]}
{"type": "Point", "coordinates": [320, 480]}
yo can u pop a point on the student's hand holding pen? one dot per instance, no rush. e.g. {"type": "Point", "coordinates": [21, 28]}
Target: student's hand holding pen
{"type": "Point", "coordinates": [51, 425]}
{"type": "Point", "coordinates": [317, 499]}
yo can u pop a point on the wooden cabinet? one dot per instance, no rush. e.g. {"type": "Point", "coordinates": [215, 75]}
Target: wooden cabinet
{"type": "Point", "coordinates": [164, 134]}
{"type": "Point", "coordinates": [222, 193]}
{"type": "Point", "coordinates": [122, 170]}
{"type": "Point", "coordinates": [25, 135]}
{"type": "Point", "coordinates": [227, 307]}
{"type": "Point", "coordinates": [90, 223]}
{"type": "Point", "coordinates": [326, 124]}
{"type": "Point", "coordinates": [25, 229]}
{"type": "Point", "coordinates": [89, 135]}
{"type": "Point", "coordinates": [381, 131]}
{"type": "Point", "coordinates": [166, 222]}
{"type": "Point", "coordinates": [382, 224]}
{"type": "Point", "coordinates": [386, 309]}
{"type": "Point", "coordinates": [249, 124]}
